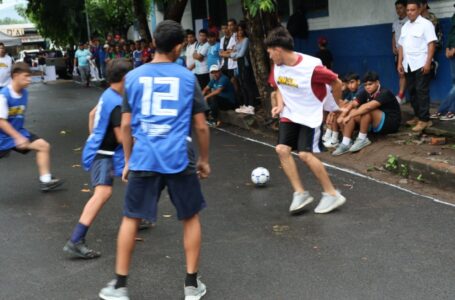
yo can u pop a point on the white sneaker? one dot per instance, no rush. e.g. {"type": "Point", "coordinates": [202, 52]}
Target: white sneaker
{"type": "Point", "coordinates": [326, 138]}
{"type": "Point", "coordinates": [299, 201]}
{"type": "Point", "coordinates": [329, 203]}
{"type": "Point", "coordinates": [331, 144]}
{"type": "Point", "coordinates": [111, 293]}
{"type": "Point", "coordinates": [241, 109]}
{"type": "Point", "coordinates": [249, 110]}
{"type": "Point", "coordinates": [195, 293]}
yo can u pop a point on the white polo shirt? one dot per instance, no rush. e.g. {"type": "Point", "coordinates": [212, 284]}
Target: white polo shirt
{"type": "Point", "coordinates": [189, 54]}
{"type": "Point", "coordinates": [396, 27]}
{"type": "Point", "coordinates": [232, 64]}
{"type": "Point", "coordinates": [415, 37]}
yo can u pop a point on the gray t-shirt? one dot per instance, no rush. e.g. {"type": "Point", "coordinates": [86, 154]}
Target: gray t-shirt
{"type": "Point", "coordinates": [199, 106]}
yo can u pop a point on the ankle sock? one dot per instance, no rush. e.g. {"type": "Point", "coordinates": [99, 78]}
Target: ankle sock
{"type": "Point", "coordinates": [328, 133]}
{"type": "Point", "coordinates": [121, 281]}
{"type": "Point", "coordinates": [191, 279]}
{"type": "Point", "coordinates": [45, 178]}
{"type": "Point", "coordinates": [346, 141]}
{"type": "Point", "coordinates": [79, 232]}
{"type": "Point", "coordinates": [362, 136]}
{"type": "Point", "coordinates": [334, 137]}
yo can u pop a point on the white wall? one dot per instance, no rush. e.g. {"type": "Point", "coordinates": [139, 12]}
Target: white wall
{"type": "Point", "coordinates": [234, 10]}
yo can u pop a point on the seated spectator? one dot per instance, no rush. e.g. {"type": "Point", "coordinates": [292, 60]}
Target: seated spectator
{"type": "Point", "coordinates": [219, 93]}
{"type": "Point", "coordinates": [213, 56]}
{"type": "Point", "coordinates": [331, 135]}
{"type": "Point", "coordinates": [375, 109]}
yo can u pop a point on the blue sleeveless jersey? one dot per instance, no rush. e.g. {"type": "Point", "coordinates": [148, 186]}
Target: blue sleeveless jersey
{"type": "Point", "coordinates": [161, 99]}
{"type": "Point", "coordinates": [108, 101]}
{"type": "Point", "coordinates": [16, 117]}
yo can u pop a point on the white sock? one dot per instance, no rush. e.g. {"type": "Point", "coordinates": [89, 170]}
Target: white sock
{"type": "Point", "coordinates": [362, 136]}
{"type": "Point", "coordinates": [335, 137]}
{"type": "Point", "coordinates": [346, 141]}
{"type": "Point", "coordinates": [45, 178]}
{"type": "Point", "coordinates": [328, 133]}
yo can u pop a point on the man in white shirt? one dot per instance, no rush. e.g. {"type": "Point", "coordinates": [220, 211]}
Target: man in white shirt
{"type": "Point", "coordinates": [227, 45]}
{"type": "Point", "coordinates": [190, 48]}
{"type": "Point", "coordinates": [201, 68]}
{"type": "Point", "coordinates": [400, 8]}
{"type": "Point", "coordinates": [6, 63]}
{"type": "Point", "coordinates": [416, 50]}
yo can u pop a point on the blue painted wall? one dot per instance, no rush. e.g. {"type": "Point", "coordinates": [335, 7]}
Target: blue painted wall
{"type": "Point", "coordinates": [369, 48]}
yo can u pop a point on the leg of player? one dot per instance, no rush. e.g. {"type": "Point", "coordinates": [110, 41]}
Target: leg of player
{"type": "Point", "coordinates": [43, 150]}
{"type": "Point", "coordinates": [331, 198]}
{"type": "Point", "coordinates": [194, 288]}
{"type": "Point", "coordinates": [116, 289]}
{"type": "Point", "coordinates": [76, 245]}
{"type": "Point", "coordinates": [300, 198]}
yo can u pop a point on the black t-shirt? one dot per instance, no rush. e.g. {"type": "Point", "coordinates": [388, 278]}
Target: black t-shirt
{"type": "Point", "coordinates": [388, 101]}
{"type": "Point", "coordinates": [199, 106]}
{"type": "Point", "coordinates": [326, 57]}
{"type": "Point", "coordinates": [110, 141]}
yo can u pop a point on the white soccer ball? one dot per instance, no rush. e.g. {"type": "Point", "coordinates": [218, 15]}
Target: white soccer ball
{"type": "Point", "coordinates": [260, 176]}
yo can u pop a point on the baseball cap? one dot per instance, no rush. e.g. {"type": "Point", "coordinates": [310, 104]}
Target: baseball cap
{"type": "Point", "coordinates": [214, 68]}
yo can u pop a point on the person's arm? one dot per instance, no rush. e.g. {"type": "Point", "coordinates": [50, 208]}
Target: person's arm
{"type": "Point", "coordinates": [75, 60]}
{"type": "Point", "coordinates": [337, 92]}
{"type": "Point", "coordinates": [394, 44]}
{"type": "Point", "coordinates": [205, 90]}
{"type": "Point", "coordinates": [127, 141]}
{"type": "Point", "coordinates": [203, 138]}
{"type": "Point", "coordinates": [91, 119]}
{"type": "Point", "coordinates": [20, 141]}
{"type": "Point", "coordinates": [400, 67]}
{"type": "Point", "coordinates": [276, 111]}
{"type": "Point", "coordinates": [363, 109]}
{"type": "Point", "coordinates": [214, 93]}
{"type": "Point", "coordinates": [241, 51]}
{"type": "Point", "coordinates": [427, 67]}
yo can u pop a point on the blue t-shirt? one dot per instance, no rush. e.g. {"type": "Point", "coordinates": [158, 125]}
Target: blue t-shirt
{"type": "Point", "coordinates": [213, 56]}
{"type": "Point", "coordinates": [82, 57]}
{"type": "Point", "coordinates": [225, 83]}
{"type": "Point", "coordinates": [137, 58]}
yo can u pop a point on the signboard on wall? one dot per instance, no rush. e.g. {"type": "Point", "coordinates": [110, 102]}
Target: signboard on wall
{"type": "Point", "coordinates": [13, 31]}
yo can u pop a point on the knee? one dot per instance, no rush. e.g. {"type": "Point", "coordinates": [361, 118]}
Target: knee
{"type": "Point", "coordinates": [43, 146]}
{"type": "Point", "coordinates": [305, 156]}
{"type": "Point", "coordinates": [283, 150]}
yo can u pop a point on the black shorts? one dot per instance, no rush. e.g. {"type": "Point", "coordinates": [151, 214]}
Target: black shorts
{"type": "Point", "coordinates": [388, 124]}
{"type": "Point", "coordinates": [33, 137]}
{"type": "Point", "coordinates": [143, 193]}
{"type": "Point", "coordinates": [228, 72]}
{"type": "Point", "coordinates": [300, 137]}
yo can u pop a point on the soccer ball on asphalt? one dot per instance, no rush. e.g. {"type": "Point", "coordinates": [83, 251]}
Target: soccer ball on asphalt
{"type": "Point", "coordinates": [260, 176]}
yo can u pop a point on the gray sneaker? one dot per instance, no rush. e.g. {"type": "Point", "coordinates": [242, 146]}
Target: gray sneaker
{"type": "Point", "coordinates": [195, 293]}
{"type": "Point", "coordinates": [299, 201]}
{"type": "Point", "coordinates": [359, 144]}
{"type": "Point", "coordinates": [329, 203]}
{"type": "Point", "coordinates": [81, 250]}
{"type": "Point", "coordinates": [341, 149]}
{"type": "Point", "coordinates": [111, 293]}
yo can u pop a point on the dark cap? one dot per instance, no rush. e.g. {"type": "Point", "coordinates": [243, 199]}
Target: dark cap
{"type": "Point", "coordinates": [425, 2]}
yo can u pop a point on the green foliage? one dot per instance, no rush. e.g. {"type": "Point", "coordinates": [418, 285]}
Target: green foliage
{"type": "Point", "coordinates": [392, 163]}
{"type": "Point", "coordinates": [420, 178]}
{"type": "Point", "coordinates": [7, 21]}
{"type": "Point", "coordinates": [255, 6]}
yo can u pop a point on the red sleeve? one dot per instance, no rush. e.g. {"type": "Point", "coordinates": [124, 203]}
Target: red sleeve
{"type": "Point", "coordinates": [322, 76]}
{"type": "Point", "coordinates": [271, 79]}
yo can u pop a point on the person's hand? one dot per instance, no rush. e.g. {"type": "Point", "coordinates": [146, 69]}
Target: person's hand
{"type": "Point", "coordinates": [125, 173]}
{"type": "Point", "coordinates": [346, 119]}
{"type": "Point", "coordinates": [203, 169]}
{"type": "Point", "coordinates": [276, 111]}
{"type": "Point", "coordinates": [21, 142]}
{"type": "Point", "coordinates": [426, 68]}
{"type": "Point", "coordinates": [400, 69]}
{"type": "Point", "coordinates": [395, 51]}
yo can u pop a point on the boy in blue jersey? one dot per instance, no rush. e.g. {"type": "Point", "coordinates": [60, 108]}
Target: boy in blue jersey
{"type": "Point", "coordinates": [162, 100]}
{"type": "Point", "coordinates": [102, 155]}
{"type": "Point", "coordinates": [13, 135]}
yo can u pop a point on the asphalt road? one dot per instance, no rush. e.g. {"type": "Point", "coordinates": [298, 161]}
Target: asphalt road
{"type": "Point", "coordinates": [383, 244]}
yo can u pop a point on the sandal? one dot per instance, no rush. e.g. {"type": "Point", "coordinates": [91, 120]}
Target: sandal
{"type": "Point", "coordinates": [436, 116]}
{"type": "Point", "coordinates": [448, 117]}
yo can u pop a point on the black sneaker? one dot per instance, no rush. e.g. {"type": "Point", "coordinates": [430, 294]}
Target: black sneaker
{"type": "Point", "coordinates": [54, 183]}
{"type": "Point", "coordinates": [145, 224]}
{"type": "Point", "coordinates": [81, 250]}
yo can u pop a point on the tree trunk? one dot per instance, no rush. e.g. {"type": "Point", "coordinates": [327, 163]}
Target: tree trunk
{"type": "Point", "coordinates": [258, 27]}
{"type": "Point", "coordinates": [140, 12]}
{"type": "Point", "coordinates": [174, 10]}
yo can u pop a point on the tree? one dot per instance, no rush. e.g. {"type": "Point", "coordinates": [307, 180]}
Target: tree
{"type": "Point", "coordinates": [174, 9]}
{"type": "Point", "coordinates": [261, 17]}
{"type": "Point", "coordinates": [140, 12]}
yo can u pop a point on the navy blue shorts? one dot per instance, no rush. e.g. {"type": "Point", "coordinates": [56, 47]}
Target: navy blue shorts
{"type": "Point", "coordinates": [33, 137]}
{"type": "Point", "coordinates": [143, 193]}
{"type": "Point", "coordinates": [102, 171]}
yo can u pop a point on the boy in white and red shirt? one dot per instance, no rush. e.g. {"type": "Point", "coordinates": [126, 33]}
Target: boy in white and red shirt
{"type": "Point", "coordinates": [304, 87]}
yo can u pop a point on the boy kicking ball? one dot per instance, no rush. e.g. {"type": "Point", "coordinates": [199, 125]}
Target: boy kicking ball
{"type": "Point", "coordinates": [102, 155]}
{"type": "Point", "coordinates": [13, 135]}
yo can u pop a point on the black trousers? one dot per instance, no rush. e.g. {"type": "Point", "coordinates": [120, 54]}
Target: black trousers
{"type": "Point", "coordinates": [218, 103]}
{"type": "Point", "coordinates": [203, 80]}
{"type": "Point", "coordinates": [418, 85]}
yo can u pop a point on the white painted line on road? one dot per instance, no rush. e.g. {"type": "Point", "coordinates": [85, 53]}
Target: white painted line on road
{"type": "Point", "coordinates": [352, 172]}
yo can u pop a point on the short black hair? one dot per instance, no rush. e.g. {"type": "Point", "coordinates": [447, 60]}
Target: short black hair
{"type": "Point", "coordinates": [400, 2]}
{"type": "Point", "coordinates": [189, 32]}
{"type": "Point", "coordinates": [352, 76]}
{"type": "Point", "coordinates": [212, 34]}
{"type": "Point", "coordinates": [117, 68]}
{"type": "Point", "coordinates": [204, 31]}
{"type": "Point", "coordinates": [370, 76]}
{"type": "Point", "coordinates": [279, 37]}
{"type": "Point", "coordinates": [232, 20]}
{"type": "Point", "coordinates": [20, 67]}
{"type": "Point", "coordinates": [167, 35]}
{"type": "Point", "coordinates": [416, 2]}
